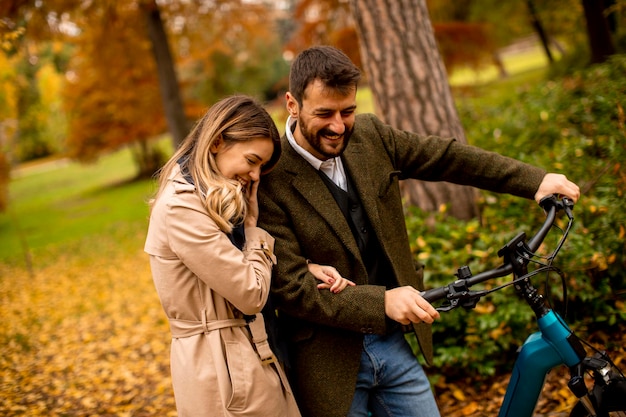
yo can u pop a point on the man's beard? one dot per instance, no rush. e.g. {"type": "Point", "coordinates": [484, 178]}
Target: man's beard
{"type": "Point", "coordinates": [315, 139]}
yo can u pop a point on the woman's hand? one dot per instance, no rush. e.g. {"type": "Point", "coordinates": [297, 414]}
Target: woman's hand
{"type": "Point", "coordinates": [331, 279]}
{"type": "Point", "coordinates": [252, 214]}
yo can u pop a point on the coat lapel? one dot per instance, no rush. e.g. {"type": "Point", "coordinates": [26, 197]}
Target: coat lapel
{"type": "Point", "coordinates": [359, 169]}
{"type": "Point", "coordinates": [309, 184]}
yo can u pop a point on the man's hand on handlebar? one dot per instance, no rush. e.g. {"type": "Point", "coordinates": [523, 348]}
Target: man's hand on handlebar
{"type": "Point", "coordinates": [557, 184]}
{"type": "Point", "coordinates": [405, 305]}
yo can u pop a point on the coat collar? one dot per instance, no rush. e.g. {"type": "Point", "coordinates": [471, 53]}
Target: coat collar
{"type": "Point", "coordinates": [308, 183]}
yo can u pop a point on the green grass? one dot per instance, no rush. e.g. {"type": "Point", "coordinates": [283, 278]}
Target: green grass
{"type": "Point", "coordinates": [58, 203]}
{"type": "Point", "coordinates": [528, 60]}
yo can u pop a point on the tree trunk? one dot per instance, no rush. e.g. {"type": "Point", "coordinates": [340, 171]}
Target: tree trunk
{"type": "Point", "coordinates": [534, 20]}
{"type": "Point", "coordinates": [168, 83]}
{"type": "Point", "coordinates": [410, 86]}
{"type": "Point", "coordinates": [600, 41]}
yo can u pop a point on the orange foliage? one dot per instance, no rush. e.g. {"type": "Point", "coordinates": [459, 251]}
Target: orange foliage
{"type": "Point", "coordinates": [330, 22]}
{"type": "Point", "coordinates": [325, 22]}
{"type": "Point", "coordinates": [113, 95]}
{"type": "Point", "coordinates": [206, 42]}
{"type": "Point", "coordinates": [462, 43]}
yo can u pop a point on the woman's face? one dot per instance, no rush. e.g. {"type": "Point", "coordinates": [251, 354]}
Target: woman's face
{"type": "Point", "coordinates": [243, 161]}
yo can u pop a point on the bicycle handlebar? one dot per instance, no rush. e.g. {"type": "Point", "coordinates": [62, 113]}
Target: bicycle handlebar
{"type": "Point", "coordinates": [551, 205]}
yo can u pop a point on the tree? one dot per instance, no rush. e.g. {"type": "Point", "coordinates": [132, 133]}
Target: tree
{"type": "Point", "coordinates": [168, 82]}
{"type": "Point", "coordinates": [536, 23]}
{"type": "Point", "coordinates": [410, 87]}
{"type": "Point", "coordinates": [114, 78]}
{"type": "Point", "coordinates": [8, 113]}
{"type": "Point", "coordinates": [600, 41]}
{"type": "Point", "coordinates": [112, 97]}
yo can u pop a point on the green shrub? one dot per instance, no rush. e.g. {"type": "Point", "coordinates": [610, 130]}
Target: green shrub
{"type": "Point", "coordinates": [573, 125]}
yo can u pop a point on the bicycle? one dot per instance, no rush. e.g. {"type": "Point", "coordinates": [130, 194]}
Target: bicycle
{"type": "Point", "coordinates": [554, 344]}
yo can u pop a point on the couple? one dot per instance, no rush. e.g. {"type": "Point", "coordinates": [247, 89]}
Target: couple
{"type": "Point", "coordinates": [327, 221]}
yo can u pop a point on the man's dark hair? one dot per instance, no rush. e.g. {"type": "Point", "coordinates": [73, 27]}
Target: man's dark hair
{"type": "Point", "coordinates": [326, 63]}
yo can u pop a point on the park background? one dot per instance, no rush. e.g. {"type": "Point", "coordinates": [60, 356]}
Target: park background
{"type": "Point", "coordinates": [83, 126]}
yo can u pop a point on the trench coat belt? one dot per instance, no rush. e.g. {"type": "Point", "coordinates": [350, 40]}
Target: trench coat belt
{"type": "Point", "coordinates": [187, 328]}
{"type": "Point", "coordinates": [259, 338]}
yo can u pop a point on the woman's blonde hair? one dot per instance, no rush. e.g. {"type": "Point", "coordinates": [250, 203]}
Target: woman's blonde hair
{"type": "Point", "coordinates": [234, 119]}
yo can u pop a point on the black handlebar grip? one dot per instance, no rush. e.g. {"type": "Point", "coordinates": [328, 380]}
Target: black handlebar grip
{"type": "Point", "coordinates": [548, 202]}
{"type": "Point", "coordinates": [435, 294]}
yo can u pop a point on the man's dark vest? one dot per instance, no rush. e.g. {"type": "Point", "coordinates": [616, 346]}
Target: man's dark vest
{"type": "Point", "coordinates": [378, 268]}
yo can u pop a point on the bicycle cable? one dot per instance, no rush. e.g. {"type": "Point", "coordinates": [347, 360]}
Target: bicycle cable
{"type": "Point", "coordinates": [598, 351]}
{"type": "Point", "coordinates": [545, 268]}
{"type": "Point", "coordinates": [551, 258]}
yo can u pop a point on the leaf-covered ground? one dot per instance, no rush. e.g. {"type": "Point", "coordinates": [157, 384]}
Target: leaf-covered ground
{"type": "Point", "coordinates": [84, 335]}
{"type": "Point", "coordinates": [483, 398]}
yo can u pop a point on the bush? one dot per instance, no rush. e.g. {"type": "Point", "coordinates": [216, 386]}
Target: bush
{"type": "Point", "coordinates": [573, 125]}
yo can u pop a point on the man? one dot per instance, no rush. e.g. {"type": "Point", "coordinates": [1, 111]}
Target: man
{"type": "Point", "coordinates": [333, 198]}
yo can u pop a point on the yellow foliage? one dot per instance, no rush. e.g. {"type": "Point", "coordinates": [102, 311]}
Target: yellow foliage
{"type": "Point", "coordinates": [599, 261]}
{"type": "Point", "coordinates": [458, 394]}
{"type": "Point", "coordinates": [470, 409]}
{"type": "Point", "coordinates": [484, 307]}
{"type": "Point", "coordinates": [480, 253]}
{"type": "Point", "coordinates": [83, 337]}
{"type": "Point", "coordinates": [500, 331]}
{"type": "Point", "coordinates": [8, 96]}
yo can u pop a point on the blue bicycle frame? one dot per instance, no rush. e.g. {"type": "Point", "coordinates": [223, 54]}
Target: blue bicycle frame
{"type": "Point", "coordinates": [542, 351]}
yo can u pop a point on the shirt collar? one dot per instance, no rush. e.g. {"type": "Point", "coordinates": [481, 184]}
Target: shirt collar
{"type": "Point", "coordinates": [339, 175]}
{"type": "Point", "coordinates": [314, 161]}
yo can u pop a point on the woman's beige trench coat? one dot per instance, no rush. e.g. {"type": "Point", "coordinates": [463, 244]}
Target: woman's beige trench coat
{"type": "Point", "coordinates": [221, 365]}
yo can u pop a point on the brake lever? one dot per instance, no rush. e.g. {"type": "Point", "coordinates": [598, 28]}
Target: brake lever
{"type": "Point", "coordinates": [466, 299]}
{"type": "Point", "coordinates": [447, 307]}
{"type": "Point", "coordinates": [568, 205]}
{"type": "Point", "coordinates": [565, 203]}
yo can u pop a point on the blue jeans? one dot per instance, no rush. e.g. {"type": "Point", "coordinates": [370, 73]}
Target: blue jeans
{"type": "Point", "coordinates": [391, 382]}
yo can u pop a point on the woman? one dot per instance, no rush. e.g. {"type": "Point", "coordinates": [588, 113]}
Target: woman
{"type": "Point", "coordinates": [212, 265]}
